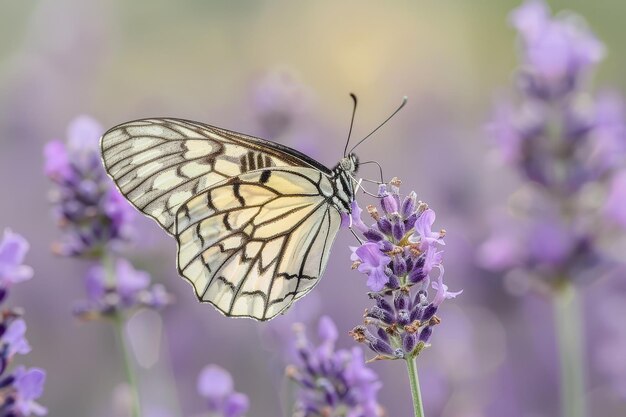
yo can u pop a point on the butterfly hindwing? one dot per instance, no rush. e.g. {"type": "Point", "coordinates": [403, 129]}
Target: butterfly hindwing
{"type": "Point", "coordinates": [158, 164]}
{"type": "Point", "coordinates": [253, 243]}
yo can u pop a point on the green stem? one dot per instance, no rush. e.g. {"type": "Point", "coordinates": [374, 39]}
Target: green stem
{"type": "Point", "coordinates": [118, 325]}
{"type": "Point", "coordinates": [416, 393]}
{"type": "Point", "coordinates": [568, 323]}
{"type": "Point", "coordinates": [129, 368]}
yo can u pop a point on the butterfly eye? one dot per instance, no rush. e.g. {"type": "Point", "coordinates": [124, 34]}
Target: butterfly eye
{"type": "Point", "coordinates": [347, 164]}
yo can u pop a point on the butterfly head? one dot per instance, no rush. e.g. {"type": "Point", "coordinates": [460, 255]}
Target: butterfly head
{"type": "Point", "coordinates": [349, 163]}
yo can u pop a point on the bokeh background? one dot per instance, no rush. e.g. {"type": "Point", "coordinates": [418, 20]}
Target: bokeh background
{"type": "Point", "coordinates": [217, 62]}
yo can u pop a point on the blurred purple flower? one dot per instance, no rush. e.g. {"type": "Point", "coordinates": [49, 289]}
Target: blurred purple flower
{"type": "Point", "coordinates": [564, 142]}
{"type": "Point", "coordinates": [20, 388]}
{"type": "Point", "coordinates": [332, 383]}
{"type": "Point", "coordinates": [13, 340]}
{"type": "Point", "coordinates": [13, 248]}
{"type": "Point", "coordinates": [28, 385]}
{"type": "Point", "coordinates": [401, 322]}
{"type": "Point", "coordinates": [127, 289]}
{"type": "Point", "coordinates": [216, 385]}
{"type": "Point", "coordinates": [87, 206]}
{"type": "Point", "coordinates": [277, 98]}
{"type": "Point", "coordinates": [555, 52]}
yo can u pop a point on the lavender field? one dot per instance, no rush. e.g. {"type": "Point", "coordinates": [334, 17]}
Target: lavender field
{"type": "Point", "coordinates": [484, 276]}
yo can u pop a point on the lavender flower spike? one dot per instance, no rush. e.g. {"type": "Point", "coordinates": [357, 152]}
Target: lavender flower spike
{"type": "Point", "coordinates": [90, 211]}
{"type": "Point", "coordinates": [399, 267]}
{"type": "Point", "coordinates": [130, 290]}
{"type": "Point", "coordinates": [564, 141]}
{"type": "Point", "coordinates": [332, 383]}
{"type": "Point", "coordinates": [19, 387]}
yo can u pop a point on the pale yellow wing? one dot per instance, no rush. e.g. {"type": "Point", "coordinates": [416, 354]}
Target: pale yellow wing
{"type": "Point", "coordinates": [158, 164]}
{"type": "Point", "coordinates": [253, 244]}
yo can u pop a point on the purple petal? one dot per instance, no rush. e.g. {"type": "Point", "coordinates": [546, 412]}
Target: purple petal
{"type": "Point", "coordinates": [14, 336]}
{"type": "Point", "coordinates": [214, 383]}
{"type": "Point", "coordinates": [57, 164]}
{"type": "Point", "coordinates": [371, 255]}
{"type": "Point", "coordinates": [29, 386]}
{"type": "Point", "coordinates": [442, 290]}
{"type": "Point", "coordinates": [377, 280]}
{"type": "Point", "coordinates": [13, 248]}
{"type": "Point", "coordinates": [327, 331]}
{"type": "Point", "coordinates": [531, 18]}
{"type": "Point", "coordinates": [236, 405]}
{"type": "Point", "coordinates": [83, 134]}
{"type": "Point", "coordinates": [129, 280]}
{"type": "Point", "coordinates": [356, 217]}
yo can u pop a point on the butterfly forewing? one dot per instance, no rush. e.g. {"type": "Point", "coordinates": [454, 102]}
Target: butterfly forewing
{"type": "Point", "coordinates": [160, 163]}
{"type": "Point", "coordinates": [254, 220]}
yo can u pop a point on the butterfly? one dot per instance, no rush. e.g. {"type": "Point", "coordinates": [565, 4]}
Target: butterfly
{"type": "Point", "coordinates": [254, 220]}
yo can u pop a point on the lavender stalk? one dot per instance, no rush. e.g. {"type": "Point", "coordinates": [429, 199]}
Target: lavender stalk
{"type": "Point", "coordinates": [568, 145]}
{"type": "Point", "coordinates": [398, 255]}
{"type": "Point", "coordinates": [95, 221]}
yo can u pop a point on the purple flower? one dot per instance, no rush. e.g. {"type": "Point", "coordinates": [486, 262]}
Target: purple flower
{"type": "Point", "coordinates": [333, 382]}
{"type": "Point", "coordinates": [442, 290]}
{"type": "Point", "coordinates": [57, 163]}
{"type": "Point", "coordinates": [423, 229]}
{"type": "Point", "coordinates": [89, 210]}
{"type": "Point", "coordinates": [13, 248]}
{"type": "Point", "coordinates": [216, 385]}
{"type": "Point", "coordinates": [432, 259]}
{"type": "Point", "coordinates": [126, 288]}
{"type": "Point", "coordinates": [20, 388]}
{"type": "Point", "coordinates": [28, 385]}
{"type": "Point", "coordinates": [400, 252]}
{"type": "Point", "coordinates": [354, 218]}
{"type": "Point", "coordinates": [555, 52]}
{"type": "Point", "coordinates": [372, 262]}
{"type": "Point", "coordinates": [14, 339]}
{"type": "Point", "coordinates": [566, 143]}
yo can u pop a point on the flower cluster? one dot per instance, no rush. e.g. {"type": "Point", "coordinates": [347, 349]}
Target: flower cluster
{"type": "Point", "coordinates": [398, 255]}
{"type": "Point", "coordinates": [19, 387]}
{"type": "Point", "coordinates": [216, 385]}
{"type": "Point", "coordinates": [121, 289]}
{"type": "Point", "coordinates": [333, 383]}
{"type": "Point", "coordinates": [88, 208]}
{"type": "Point", "coordinates": [568, 145]}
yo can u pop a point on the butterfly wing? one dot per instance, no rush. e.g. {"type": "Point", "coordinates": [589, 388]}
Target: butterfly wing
{"type": "Point", "coordinates": [158, 164]}
{"type": "Point", "coordinates": [252, 244]}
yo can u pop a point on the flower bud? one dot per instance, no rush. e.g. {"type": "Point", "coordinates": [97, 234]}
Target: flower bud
{"type": "Point", "coordinates": [409, 204]}
{"type": "Point", "coordinates": [409, 340]}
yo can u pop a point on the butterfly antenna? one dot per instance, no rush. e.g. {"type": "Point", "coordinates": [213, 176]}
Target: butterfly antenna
{"type": "Point", "coordinates": [404, 100]}
{"type": "Point", "coordinates": [345, 150]}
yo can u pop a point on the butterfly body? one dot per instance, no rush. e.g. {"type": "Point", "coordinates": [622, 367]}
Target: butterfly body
{"type": "Point", "coordinates": [254, 220]}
